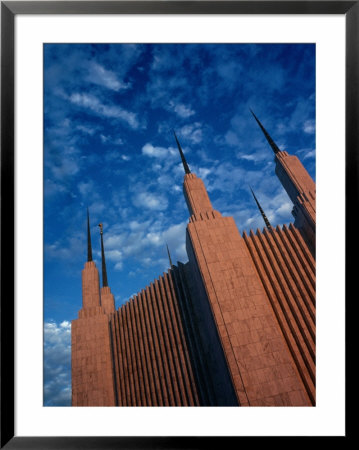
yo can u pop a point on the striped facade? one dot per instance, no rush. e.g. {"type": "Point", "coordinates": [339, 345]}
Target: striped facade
{"type": "Point", "coordinates": [287, 271]}
{"type": "Point", "coordinates": [151, 360]}
{"type": "Point", "coordinates": [234, 326]}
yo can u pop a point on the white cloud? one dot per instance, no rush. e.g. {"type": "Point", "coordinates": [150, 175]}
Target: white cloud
{"type": "Point", "coordinates": [147, 262]}
{"type": "Point", "coordinates": [114, 241]}
{"type": "Point", "coordinates": [113, 255]}
{"type": "Point", "coordinates": [103, 77]}
{"type": "Point", "coordinates": [232, 139]}
{"type": "Point", "coordinates": [51, 188]}
{"type": "Point", "coordinates": [203, 173]}
{"type": "Point", "coordinates": [143, 241]}
{"type": "Point", "coordinates": [249, 222]}
{"type": "Point", "coordinates": [64, 250]}
{"type": "Point", "coordinates": [135, 225]}
{"type": "Point", "coordinates": [93, 104]}
{"type": "Point", "coordinates": [285, 208]}
{"type": "Point", "coordinates": [104, 138]}
{"type": "Point", "coordinates": [57, 363]}
{"type": "Point", "coordinates": [229, 177]}
{"type": "Point", "coordinates": [150, 201]}
{"type": "Point", "coordinates": [192, 132]}
{"type": "Point", "coordinates": [154, 238]}
{"type": "Point", "coordinates": [86, 130]}
{"type": "Point", "coordinates": [181, 110]}
{"type": "Point", "coordinates": [157, 152]}
{"type": "Point", "coordinates": [181, 253]}
{"type": "Point", "coordinates": [310, 154]}
{"type": "Point", "coordinates": [246, 157]}
{"type": "Point", "coordinates": [309, 127]}
{"type": "Point", "coordinates": [118, 265]}
{"type": "Point", "coordinates": [66, 167]}
{"type": "Point", "coordinates": [171, 234]}
{"type": "Point", "coordinates": [110, 140]}
{"type": "Point", "coordinates": [118, 141]}
{"type": "Point", "coordinates": [85, 188]}
{"type": "Point", "coordinates": [97, 207]}
{"type": "Point", "coordinates": [255, 156]}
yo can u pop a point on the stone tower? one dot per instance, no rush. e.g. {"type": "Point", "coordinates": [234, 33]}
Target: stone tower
{"type": "Point", "coordinates": [234, 326]}
{"type": "Point", "coordinates": [300, 188]}
{"type": "Point", "coordinates": [229, 290]}
{"type": "Point", "coordinates": [91, 353]}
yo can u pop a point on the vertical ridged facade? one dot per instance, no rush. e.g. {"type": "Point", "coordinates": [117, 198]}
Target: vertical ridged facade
{"type": "Point", "coordinates": [287, 271]}
{"type": "Point", "coordinates": [234, 326]}
{"type": "Point", "coordinates": [260, 363]}
{"type": "Point", "coordinates": [151, 359]}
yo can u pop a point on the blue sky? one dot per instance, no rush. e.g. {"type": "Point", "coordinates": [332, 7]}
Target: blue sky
{"type": "Point", "coordinates": [108, 115]}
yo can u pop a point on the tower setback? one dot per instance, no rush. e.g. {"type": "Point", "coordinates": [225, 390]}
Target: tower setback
{"type": "Point", "coordinates": [300, 188]}
{"type": "Point", "coordinates": [234, 326]}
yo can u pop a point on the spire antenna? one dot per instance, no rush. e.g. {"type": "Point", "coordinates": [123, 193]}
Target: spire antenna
{"type": "Point", "coordinates": [169, 256]}
{"type": "Point", "coordinates": [269, 139]}
{"type": "Point", "coordinates": [266, 221]}
{"type": "Point", "coordinates": [184, 162]}
{"type": "Point", "coordinates": [104, 272]}
{"type": "Point", "coordinates": [89, 247]}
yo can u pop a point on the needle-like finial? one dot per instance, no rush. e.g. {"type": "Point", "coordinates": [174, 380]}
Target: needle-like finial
{"type": "Point", "coordinates": [89, 247]}
{"type": "Point", "coordinates": [169, 256]}
{"type": "Point", "coordinates": [269, 139]}
{"type": "Point", "coordinates": [104, 272]}
{"type": "Point", "coordinates": [184, 162]}
{"type": "Point", "coordinates": [266, 221]}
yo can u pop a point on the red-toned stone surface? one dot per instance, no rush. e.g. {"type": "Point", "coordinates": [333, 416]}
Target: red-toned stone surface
{"type": "Point", "coordinates": [90, 286]}
{"type": "Point", "coordinates": [301, 190]}
{"type": "Point", "coordinates": [92, 371]}
{"type": "Point", "coordinates": [288, 275]}
{"type": "Point", "coordinates": [261, 365]}
{"type": "Point", "coordinates": [196, 194]}
{"type": "Point", "coordinates": [107, 300]}
{"type": "Point", "coordinates": [91, 355]}
{"type": "Point", "coordinates": [152, 366]}
{"type": "Point", "coordinates": [260, 292]}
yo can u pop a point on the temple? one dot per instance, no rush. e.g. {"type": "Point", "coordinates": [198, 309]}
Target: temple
{"type": "Point", "coordinates": [233, 326]}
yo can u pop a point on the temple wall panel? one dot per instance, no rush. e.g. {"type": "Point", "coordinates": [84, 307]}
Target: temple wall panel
{"type": "Point", "coordinates": [289, 282]}
{"type": "Point", "coordinates": [153, 366]}
{"type": "Point", "coordinates": [261, 365]}
{"type": "Point", "coordinates": [92, 363]}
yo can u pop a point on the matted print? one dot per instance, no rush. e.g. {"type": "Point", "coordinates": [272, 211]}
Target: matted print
{"type": "Point", "coordinates": [179, 224]}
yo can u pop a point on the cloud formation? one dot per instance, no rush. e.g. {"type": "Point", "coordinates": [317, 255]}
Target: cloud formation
{"type": "Point", "coordinates": [109, 112]}
{"type": "Point", "coordinates": [57, 363]}
{"type": "Point", "coordinates": [93, 104]}
{"type": "Point", "coordinates": [103, 77]}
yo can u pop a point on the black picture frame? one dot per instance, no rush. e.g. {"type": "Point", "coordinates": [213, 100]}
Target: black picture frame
{"type": "Point", "coordinates": [9, 9]}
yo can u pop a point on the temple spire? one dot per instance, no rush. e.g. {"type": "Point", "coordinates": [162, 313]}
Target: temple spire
{"type": "Point", "coordinates": [266, 221]}
{"type": "Point", "coordinates": [104, 273]}
{"type": "Point", "coordinates": [269, 139]}
{"type": "Point", "coordinates": [184, 162]}
{"type": "Point", "coordinates": [89, 247]}
{"type": "Point", "coordinates": [169, 256]}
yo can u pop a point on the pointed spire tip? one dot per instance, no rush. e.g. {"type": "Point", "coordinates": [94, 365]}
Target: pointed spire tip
{"type": "Point", "coordinates": [184, 162]}
{"type": "Point", "coordinates": [266, 221]}
{"type": "Point", "coordinates": [89, 246]}
{"type": "Point", "coordinates": [266, 134]}
{"type": "Point", "coordinates": [104, 271]}
{"type": "Point", "coordinates": [169, 255]}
